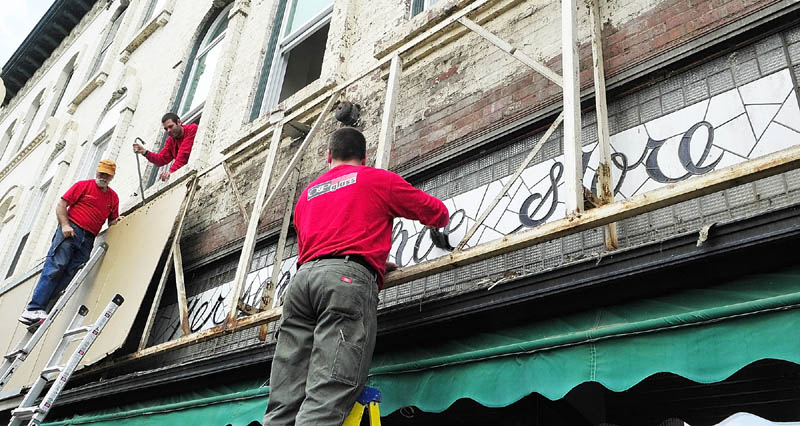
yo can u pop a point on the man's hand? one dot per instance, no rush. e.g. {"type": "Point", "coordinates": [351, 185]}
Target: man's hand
{"type": "Point", "coordinates": [391, 266]}
{"type": "Point", "coordinates": [67, 231]}
{"type": "Point", "coordinates": [164, 176]}
{"type": "Point", "coordinates": [138, 149]}
{"type": "Point", "coordinates": [115, 221]}
{"type": "Point", "coordinates": [439, 239]}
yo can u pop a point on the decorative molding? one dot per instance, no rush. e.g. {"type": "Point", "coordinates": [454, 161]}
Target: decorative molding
{"type": "Point", "coordinates": [159, 21]}
{"type": "Point", "coordinates": [239, 6]}
{"type": "Point", "coordinates": [117, 95]}
{"type": "Point", "coordinates": [98, 80]}
{"type": "Point", "coordinates": [10, 215]}
{"type": "Point", "coordinates": [47, 131]}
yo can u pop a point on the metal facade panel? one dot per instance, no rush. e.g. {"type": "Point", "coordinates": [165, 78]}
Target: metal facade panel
{"type": "Point", "coordinates": [11, 304]}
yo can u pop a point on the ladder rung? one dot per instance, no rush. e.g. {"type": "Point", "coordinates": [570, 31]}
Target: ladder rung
{"type": "Point", "coordinates": [78, 330]}
{"type": "Point", "coordinates": [14, 354]}
{"type": "Point", "coordinates": [26, 412]}
{"type": "Point", "coordinates": [53, 369]}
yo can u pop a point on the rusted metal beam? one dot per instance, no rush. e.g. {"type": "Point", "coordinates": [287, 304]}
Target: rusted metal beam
{"type": "Point", "coordinates": [573, 170]}
{"type": "Point", "coordinates": [268, 294]}
{"type": "Point", "coordinates": [301, 150]}
{"type": "Point", "coordinates": [212, 333]}
{"type": "Point", "coordinates": [236, 193]}
{"type": "Point", "coordinates": [386, 138]}
{"type": "Point", "coordinates": [151, 317]}
{"type": "Point", "coordinates": [604, 180]}
{"type": "Point", "coordinates": [513, 51]}
{"type": "Point", "coordinates": [695, 187]}
{"type": "Point", "coordinates": [535, 150]}
{"type": "Point", "coordinates": [249, 244]}
{"type": "Point", "coordinates": [180, 286]}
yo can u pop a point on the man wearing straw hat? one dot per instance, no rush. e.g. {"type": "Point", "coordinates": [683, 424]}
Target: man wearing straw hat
{"type": "Point", "coordinates": [81, 213]}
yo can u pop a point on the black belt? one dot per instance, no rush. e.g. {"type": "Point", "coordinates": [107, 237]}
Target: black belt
{"type": "Point", "coordinates": [349, 257]}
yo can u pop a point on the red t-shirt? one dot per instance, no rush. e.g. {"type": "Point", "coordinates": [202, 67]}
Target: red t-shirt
{"type": "Point", "coordinates": [89, 206]}
{"type": "Point", "coordinates": [350, 210]}
{"type": "Point", "coordinates": [175, 150]}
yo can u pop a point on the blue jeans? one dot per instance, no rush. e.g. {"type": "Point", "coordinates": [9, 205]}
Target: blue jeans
{"type": "Point", "coordinates": [65, 257]}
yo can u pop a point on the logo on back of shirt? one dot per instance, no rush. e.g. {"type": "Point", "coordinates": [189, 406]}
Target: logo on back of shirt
{"type": "Point", "coordinates": [332, 185]}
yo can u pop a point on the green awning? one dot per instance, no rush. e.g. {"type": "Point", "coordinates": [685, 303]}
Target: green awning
{"type": "Point", "coordinates": [236, 408]}
{"type": "Point", "coordinates": [704, 335]}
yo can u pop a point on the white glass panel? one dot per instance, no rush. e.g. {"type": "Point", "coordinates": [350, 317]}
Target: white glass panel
{"type": "Point", "coordinates": [201, 81]}
{"type": "Point", "coordinates": [302, 11]}
{"type": "Point", "coordinates": [109, 119]}
{"type": "Point", "coordinates": [97, 155]}
{"type": "Point", "coordinates": [154, 7]}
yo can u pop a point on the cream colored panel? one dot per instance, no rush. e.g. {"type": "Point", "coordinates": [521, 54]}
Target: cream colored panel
{"type": "Point", "coordinates": [134, 247]}
{"type": "Point", "coordinates": [12, 303]}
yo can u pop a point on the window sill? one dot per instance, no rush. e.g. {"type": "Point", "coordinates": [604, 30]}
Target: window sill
{"type": "Point", "coordinates": [96, 81]}
{"type": "Point", "coordinates": [297, 102]}
{"type": "Point", "coordinates": [305, 95]}
{"type": "Point", "coordinates": [159, 21]}
{"type": "Point", "coordinates": [16, 279]}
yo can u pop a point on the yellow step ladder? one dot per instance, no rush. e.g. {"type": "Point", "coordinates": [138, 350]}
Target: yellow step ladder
{"type": "Point", "coordinates": [368, 400]}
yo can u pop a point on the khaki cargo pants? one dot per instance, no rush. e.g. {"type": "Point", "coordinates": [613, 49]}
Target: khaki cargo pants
{"type": "Point", "coordinates": [325, 343]}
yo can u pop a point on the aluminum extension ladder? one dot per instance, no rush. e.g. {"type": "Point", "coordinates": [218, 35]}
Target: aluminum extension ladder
{"type": "Point", "coordinates": [368, 400]}
{"type": "Point", "coordinates": [35, 332]}
{"type": "Point", "coordinates": [35, 414]}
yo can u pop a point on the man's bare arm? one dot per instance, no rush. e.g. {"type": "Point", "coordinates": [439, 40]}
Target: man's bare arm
{"type": "Point", "coordinates": [63, 220]}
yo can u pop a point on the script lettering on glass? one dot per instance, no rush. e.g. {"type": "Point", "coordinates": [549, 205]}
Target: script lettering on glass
{"type": "Point", "coordinates": [747, 122]}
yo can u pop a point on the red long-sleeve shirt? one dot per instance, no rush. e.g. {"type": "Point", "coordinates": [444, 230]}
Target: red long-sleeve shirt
{"type": "Point", "coordinates": [178, 150]}
{"type": "Point", "coordinates": [350, 210]}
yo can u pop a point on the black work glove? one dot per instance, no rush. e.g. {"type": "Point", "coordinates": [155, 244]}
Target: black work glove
{"type": "Point", "coordinates": [439, 239]}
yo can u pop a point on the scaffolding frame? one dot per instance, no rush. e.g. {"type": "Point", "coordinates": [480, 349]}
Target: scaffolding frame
{"type": "Point", "coordinates": [606, 211]}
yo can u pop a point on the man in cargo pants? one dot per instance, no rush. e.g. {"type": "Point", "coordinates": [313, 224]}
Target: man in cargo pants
{"type": "Point", "coordinates": [327, 333]}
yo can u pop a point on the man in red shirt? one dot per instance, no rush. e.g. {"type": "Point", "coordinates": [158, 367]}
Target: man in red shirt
{"type": "Point", "coordinates": [178, 146]}
{"type": "Point", "coordinates": [327, 334]}
{"type": "Point", "coordinates": [81, 213]}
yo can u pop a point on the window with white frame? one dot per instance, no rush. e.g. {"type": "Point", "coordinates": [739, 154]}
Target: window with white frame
{"type": "Point", "coordinates": [417, 6]}
{"type": "Point", "coordinates": [27, 122]}
{"type": "Point", "coordinates": [6, 203]}
{"type": "Point", "coordinates": [202, 69]}
{"type": "Point", "coordinates": [61, 85]}
{"type": "Point", "coordinates": [108, 38]}
{"type": "Point", "coordinates": [6, 138]}
{"type": "Point", "coordinates": [105, 129]}
{"type": "Point", "coordinates": [297, 59]}
{"type": "Point", "coordinates": [153, 7]}
{"type": "Point", "coordinates": [27, 224]}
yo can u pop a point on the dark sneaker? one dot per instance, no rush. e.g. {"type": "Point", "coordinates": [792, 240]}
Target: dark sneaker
{"type": "Point", "coordinates": [32, 317]}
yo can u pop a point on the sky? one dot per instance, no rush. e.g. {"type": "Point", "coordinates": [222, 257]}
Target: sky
{"type": "Point", "coordinates": [16, 22]}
